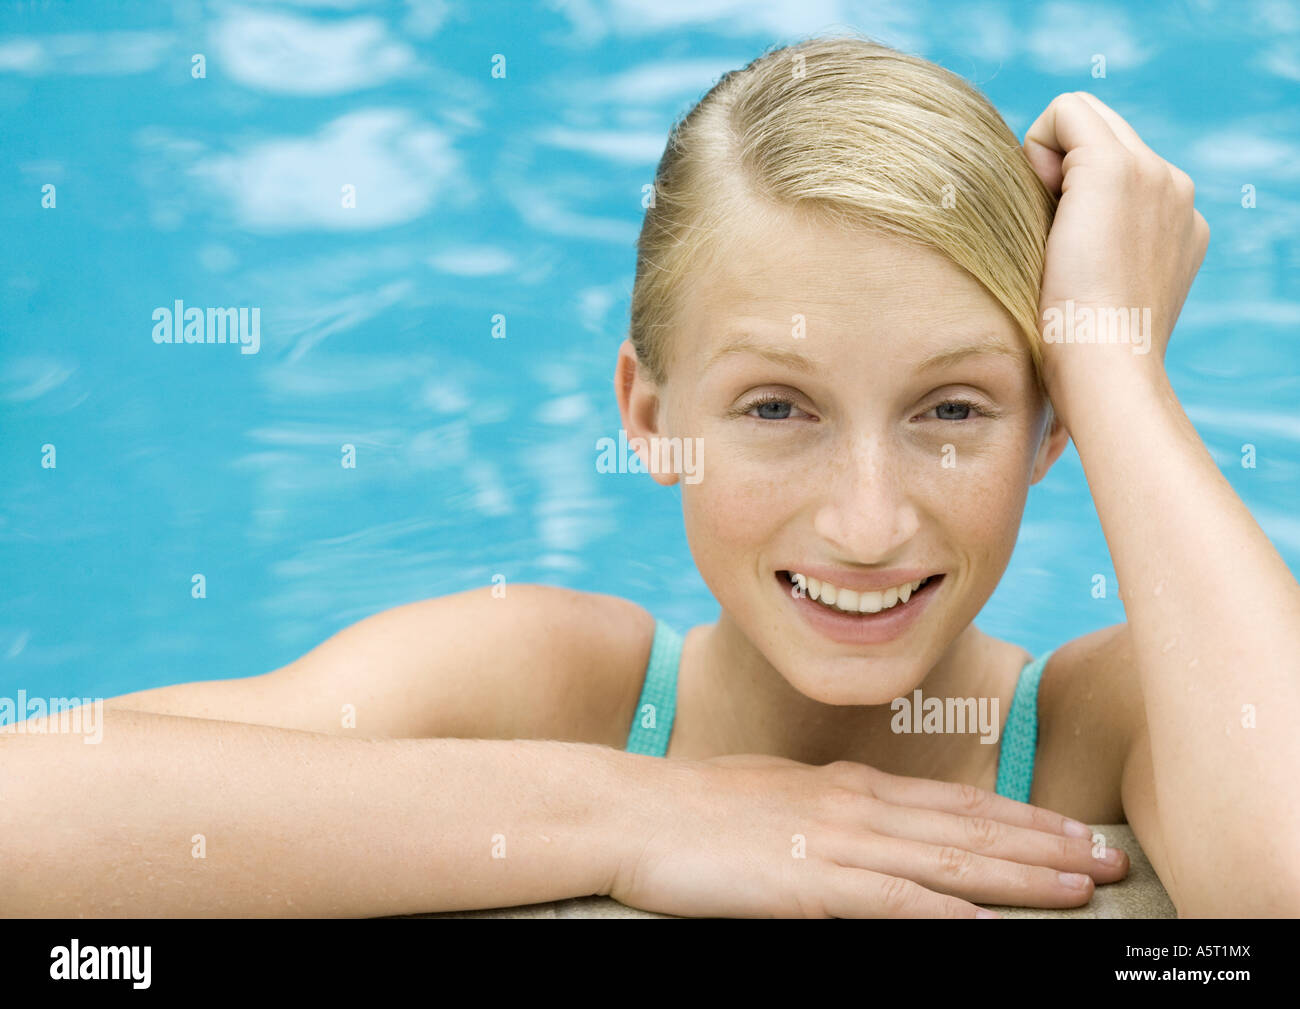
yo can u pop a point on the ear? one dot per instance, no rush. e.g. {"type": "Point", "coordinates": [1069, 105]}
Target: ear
{"type": "Point", "coordinates": [1055, 438]}
{"type": "Point", "coordinates": [640, 406]}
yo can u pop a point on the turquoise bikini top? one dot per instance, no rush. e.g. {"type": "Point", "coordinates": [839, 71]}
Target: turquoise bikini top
{"type": "Point", "coordinates": [653, 723]}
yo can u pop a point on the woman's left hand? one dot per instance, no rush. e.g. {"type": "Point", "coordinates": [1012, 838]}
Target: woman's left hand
{"type": "Point", "coordinates": [1126, 236]}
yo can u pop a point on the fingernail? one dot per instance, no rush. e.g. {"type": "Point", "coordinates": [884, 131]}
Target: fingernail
{"type": "Point", "coordinates": [1113, 856]}
{"type": "Point", "coordinates": [981, 913]}
{"type": "Point", "coordinates": [1074, 880]}
{"type": "Point", "coordinates": [1076, 829]}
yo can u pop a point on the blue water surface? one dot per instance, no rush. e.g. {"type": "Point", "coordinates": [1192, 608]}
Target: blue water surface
{"type": "Point", "coordinates": [481, 196]}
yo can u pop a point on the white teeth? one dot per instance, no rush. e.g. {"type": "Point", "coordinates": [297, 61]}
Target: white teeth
{"type": "Point", "coordinates": [850, 601]}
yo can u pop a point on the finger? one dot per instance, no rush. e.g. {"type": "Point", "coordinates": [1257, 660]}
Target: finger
{"type": "Point", "coordinates": [995, 839]}
{"type": "Point", "coordinates": [1047, 164]}
{"type": "Point", "coordinates": [967, 800]}
{"type": "Point", "coordinates": [1069, 122]}
{"type": "Point", "coordinates": [861, 893]}
{"type": "Point", "coordinates": [1124, 133]}
{"type": "Point", "coordinates": [1068, 132]}
{"type": "Point", "coordinates": [963, 874]}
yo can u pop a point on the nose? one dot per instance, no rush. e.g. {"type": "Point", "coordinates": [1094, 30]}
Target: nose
{"type": "Point", "coordinates": [867, 513]}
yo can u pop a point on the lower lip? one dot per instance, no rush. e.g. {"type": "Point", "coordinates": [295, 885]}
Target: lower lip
{"type": "Point", "coordinates": [865, 628]}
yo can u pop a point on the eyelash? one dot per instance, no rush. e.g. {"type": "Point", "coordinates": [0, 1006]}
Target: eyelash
{"type": "Point", "coordinates": [974, 408]}
{"type": "Point", "coordinates": [776, 397]}
{"type": "Point", "coordinates": [767, 397]}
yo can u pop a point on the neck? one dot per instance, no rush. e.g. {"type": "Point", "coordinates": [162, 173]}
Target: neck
{"type": "Point", "coordinates": [735, 701]}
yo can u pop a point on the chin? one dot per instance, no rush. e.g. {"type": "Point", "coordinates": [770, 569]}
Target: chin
{"type": "Point", "coordinates": [853, 680]}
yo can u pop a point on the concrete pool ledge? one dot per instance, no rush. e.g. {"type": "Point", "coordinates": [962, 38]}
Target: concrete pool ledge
{"type": "Point", "coordinates": [1139, 895]}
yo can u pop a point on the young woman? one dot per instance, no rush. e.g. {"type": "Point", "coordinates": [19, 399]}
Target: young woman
{"type": "Point", "coordinates": [848, 297]}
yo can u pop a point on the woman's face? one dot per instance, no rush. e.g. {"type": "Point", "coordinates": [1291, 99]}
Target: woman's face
{"type": "Point", "coordinates": [868, 418]}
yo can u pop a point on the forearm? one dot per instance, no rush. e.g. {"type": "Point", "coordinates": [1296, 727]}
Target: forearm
{"type": "Point", "coordinates": [297, 823]}
{"type": "Point", "coordinates": [1214, 616]}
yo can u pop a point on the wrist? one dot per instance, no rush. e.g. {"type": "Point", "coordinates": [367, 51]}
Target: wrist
{"type": "Point", "coordinates": [615, 808]}
{"type": "Point", "coordinates": [643, 791]}
{"type": "Point", "coordinates": [1091, 390]}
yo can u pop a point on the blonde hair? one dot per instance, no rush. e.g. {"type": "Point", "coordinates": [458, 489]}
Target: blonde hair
{"type": "Point", "coordinates": [856, 133]}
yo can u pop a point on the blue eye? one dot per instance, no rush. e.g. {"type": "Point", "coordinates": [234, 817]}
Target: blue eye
{"type": "Point", "coordinates": [771, 406]}
{"type": "Point", "coordinates": [773, 409]}
{"type": "Point", "coordinates": [953, 410]}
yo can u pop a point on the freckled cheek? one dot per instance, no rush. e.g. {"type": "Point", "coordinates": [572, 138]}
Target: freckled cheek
{"type": "Point", "coordinates": [732, 515]}
{"type": "Point", "coordinates": [735, 508]}
{"type": "Point", "coordinates": [978, 499]}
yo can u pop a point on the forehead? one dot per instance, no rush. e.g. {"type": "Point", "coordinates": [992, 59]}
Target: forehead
{"type": "Point", "coordinates": [775, 263]}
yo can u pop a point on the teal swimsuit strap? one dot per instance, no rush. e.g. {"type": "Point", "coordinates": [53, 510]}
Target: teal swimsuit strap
{"type": "Point", "coordinates": [652, 723]}
{"type": "Point", "coordinates": [1020, 734]}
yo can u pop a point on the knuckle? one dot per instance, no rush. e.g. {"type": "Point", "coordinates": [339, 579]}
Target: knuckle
{"type": "Point", "coordinates": [846, 773]}
{"type": "Point", "coordinates": [1042, 819]}
{"type": "Point", "coordinates": [1063, 102]}
{"type": "Point", "coordinates": [897, 895]}
{"type": "Point", "coordinates": [1029, 879]}
{"type": "Point", "coordinates": [955, 862]}
{"type": "Point", "coordinates": [982, 832]}
{"type": "Point", "coordinates": [968, 797]}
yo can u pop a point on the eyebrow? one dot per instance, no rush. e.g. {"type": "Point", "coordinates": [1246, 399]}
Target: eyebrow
{"type": "Point", "coordinates": [744, 343]}
{"type": "Point", "coordinates": [955, 355]}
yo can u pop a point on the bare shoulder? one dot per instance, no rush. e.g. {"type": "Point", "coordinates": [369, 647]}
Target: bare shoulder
{"type": "Point", "coordinates": [518, 661]}
{"type": "Point", "coordinates": [1089, 712]}
{"type": "Point", "coordinates": [525, 661]}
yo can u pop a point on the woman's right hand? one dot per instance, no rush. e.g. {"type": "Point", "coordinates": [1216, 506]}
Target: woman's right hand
{"type": "Point", "coordinates": [757, 836]}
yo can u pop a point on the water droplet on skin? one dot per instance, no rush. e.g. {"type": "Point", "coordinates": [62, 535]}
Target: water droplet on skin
{"type": "Point", "coordinates": [1160, 587]}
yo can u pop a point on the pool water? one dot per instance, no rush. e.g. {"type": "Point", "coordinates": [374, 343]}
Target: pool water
{"type": "Point", "coordinates": [484, 206]}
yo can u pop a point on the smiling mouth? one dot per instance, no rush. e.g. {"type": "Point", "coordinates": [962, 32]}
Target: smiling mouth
{"type": "Point", "coordinates": [862, 605]}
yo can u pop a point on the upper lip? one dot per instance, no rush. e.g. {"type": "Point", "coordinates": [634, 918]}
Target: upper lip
{"type": "Point", "coordinates": [863, 581]}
